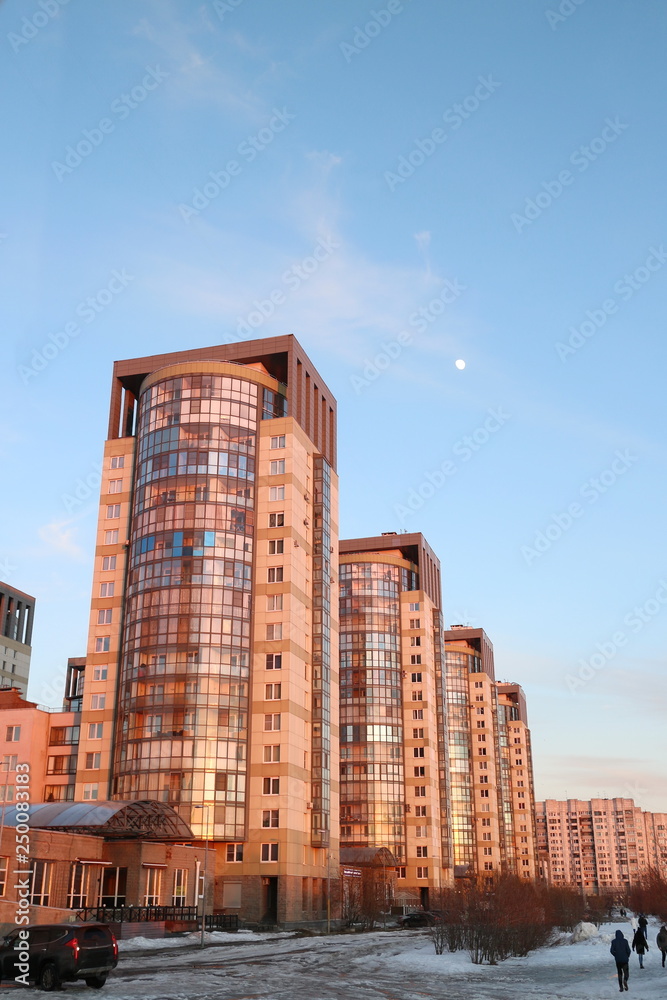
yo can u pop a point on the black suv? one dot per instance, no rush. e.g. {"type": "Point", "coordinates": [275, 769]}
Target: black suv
{"type": "Point", "coordinates": [59, 953]}
{"type": "Point", "coordinates": [422, 918]}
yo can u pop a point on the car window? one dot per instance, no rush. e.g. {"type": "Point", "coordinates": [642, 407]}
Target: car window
{"type": "Point", "coordinates": [96, 935]}
{"type": "Point", "coordinates": [56, 932]}
{"type": "Point", "coordinates": [39, 936]}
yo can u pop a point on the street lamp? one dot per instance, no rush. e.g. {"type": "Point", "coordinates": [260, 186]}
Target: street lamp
{"type": "Point", "coordinates": [203, 900]}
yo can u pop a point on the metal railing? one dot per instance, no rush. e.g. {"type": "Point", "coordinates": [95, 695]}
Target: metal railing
{"type": "Point", "coordinates": [136, 914]}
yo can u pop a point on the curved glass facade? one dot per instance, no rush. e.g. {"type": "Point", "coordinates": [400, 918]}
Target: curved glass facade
{"type": "Point", "coordinates": [183, 687]}
{"type": "Point", "coordinates": [372, 774]}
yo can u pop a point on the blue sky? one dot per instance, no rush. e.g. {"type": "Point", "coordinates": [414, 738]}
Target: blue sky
{"type": "Point", "coordinates": [171, 166]}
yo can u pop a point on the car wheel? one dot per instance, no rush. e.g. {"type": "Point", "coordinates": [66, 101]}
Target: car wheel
{"type": "Point", "coordinates": [96, 982]}
{"type": "Point", "coordinates": [49, 979]}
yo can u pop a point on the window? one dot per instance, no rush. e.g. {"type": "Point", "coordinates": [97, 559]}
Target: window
{"type": "Point", "coordinates": [274, 574]}
{"type": "Point", "coordinates": [98, 701]}
{"type": "Point", "coordinates": [479, 684]}
{"type": "Point", "coordinates": [483, 779]}
{"type": "Point", "coordinates": [422, 852]}
{"type": "Point", "coordinates": [270, 817]}
{"type": "Point", "coordinates": [486, 836]}
{"type": "Point", "coordinates": [109, 562]}
{"type": "Point", "coordinates": [418, 734]}
{"type": "Point", "coordinates": [274, 631]}
{"type": "Point", "coordinates": [420, 791]}
{"type": "Point", "coordinates": [278, 441]}
{"type": "Point", "coordinates": [274, 661]}
{"type": "Point", "coordinates": [416, 678]}
{"type": "Point", "coordinates": [61, 764]}
{"type": "Point", "coordinates": [272, 692]}
{"type": "Point", "coordinates": [113, 510]}
{"type": "Point", "coordinates": [4, 862]}
{"type": "Point", "coordinates": [153, 886]}
{"type": "Point", "coordinates": [479, 711]}
{"type": "Point", "coordinates": [488, 866]}
{"type": "Point", "coordinates": [420, 810]}
{"type": "Point", "coordinates": [111, 537]}
{"type": "Point", "coordinates": [277, 467]}
{"type": "Point", "coordinates": [117, 462]}
{"type": "Point", "coordinates": [6, 793]}
{"type": "Point", "coordinates": [115, 486]}
{"type": "Point", "coordinates": [277, 520]}
{"type": "Point", "coordinates": [417, 713]}
{"type": "Point", "coordinates": [40, 883]}
{"type": "Point", "coordinates": [270, 786]}
{"type": "Point", "coordinates": [418, 751]}
{"type": "Point", "coordinates": [481, 725]}
{"type": "Point", "coordinates": [99, 673]}
{"type": "Point", "coordinates": [106, 590]}
{"type": "Point", "coordinates": [274, 602]}
{"type": "Point", "coordinates": [271, 723]}
{"type": "Point", "coordinates": [415, 640]}
{"type": "Point", "coordinates": [95, 730]}
{"type": "Point", "coordinates": [276, 493]}
{"type": "Point", "coordinates": [276, 546]}
{"type": "Point", "coordinates": [90, 792]}
{"type": "Point", "coordinates": [269, 852]}
{"type": "Point", "coordinates": [422, 872]}
{"type": "Point", "coordinates": [13, 734]}
{"type": "Point", "coordinates": [416, 696]}
{"type": "Point", "coordinates": [401, 872]}
{"type": "Point", "coordinates": [102, 644]}
{"type": "Point", "coordinates": [414, 607]}
{"type": "Point", "coordinates": [481, 738]}
{"type": "Point", "coordinates": [415, 623]}
{"type": "Point", "coordinates": [180, 887]}
{"type": "Point", "coordinates": [104, 616]}
{"type": "Point", "coordinates": [415, 659]}
{"type": "Point", "coordinates": [272, 754]}
{"type": "Point", "coordinates": [77, 895]}
{"type": "Point", "coordinates": [486, 822]}
{"type": "Point", "coordinates": [93, 761]}
{"type": "Point", "coordinates": [420, 772]}
{"type": "Point", "coordinates": [234, 852]}
{"type": "Point", "coordinates": [484, 793]}
{"type": "Point", "coordinates": [421, 831]}
{"type": "Point", "coordinates": [488, 851]}
{"type": "Point", "coordinates": [64, 735]}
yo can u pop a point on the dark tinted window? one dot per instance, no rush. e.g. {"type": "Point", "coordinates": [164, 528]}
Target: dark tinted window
{"type": "Point", "coordinates": [96, 935]}
{"type": "Point", "coordinates": [39, 935]}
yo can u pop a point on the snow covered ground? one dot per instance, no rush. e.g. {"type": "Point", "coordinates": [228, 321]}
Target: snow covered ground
{"type": "Point", "coordinates": [396, 965]}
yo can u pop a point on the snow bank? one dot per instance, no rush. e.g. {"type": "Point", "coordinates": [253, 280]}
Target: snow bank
{"type": "Point", "coordinates": [583, 932]}
{"type": "Point", "coordinates": [188, 940]}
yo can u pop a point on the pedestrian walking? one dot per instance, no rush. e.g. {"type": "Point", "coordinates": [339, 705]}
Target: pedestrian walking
{"type": "Point", "coordinates": [640, 945]}
{"type": "Point", "coordinates": [620, 949]}
{"type": "Point", "coordinates": [661, 941]}
{"type": "Point", "coordinates": [642, 923]}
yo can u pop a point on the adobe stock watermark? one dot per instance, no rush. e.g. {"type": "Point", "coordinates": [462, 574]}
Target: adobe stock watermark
{"type": "Point", "coordinates": [32, 25]}
{"type": "Point", "coordinates": [454, 117]}
{"type": "Point", "coordinates": [565, 9]}
{"type": "Point", "coordinates": [223, 7]}
{"type": "Point", "coordinates": [292, 279]}
{"type": "Point", "coordinates": [87, 310]}
{"type": "Point", "coordinates": [84, 489]}
{"type": "Point", "coordinates": [605, 651]}
{"type": "Point", "coordinates": [464, 449]}
{"type": "Point", "coordinates": [581, 158]}
{"type": "Point", "coordinates": [7, 569]}
{"type": "Point", "coordinates": [22, 854]}
{"type": "Point", "coordinates": [249, 150]}
{"type": "Point", "coordinates": [591, 491]}
{"type": "Point", "coordinates": [419, 320]}
{"type": "Point", "coordinates": [364, 34]}
{"type": "Point", "coordinates": [122, 107]}
{"type": "Point", "coordinates": [625, 288]}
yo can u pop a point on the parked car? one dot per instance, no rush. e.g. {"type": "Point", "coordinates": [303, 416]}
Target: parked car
{"type": "Point", "coordinates": [59, 953]}
{"type": "Point", "coordinates": [423, 918]}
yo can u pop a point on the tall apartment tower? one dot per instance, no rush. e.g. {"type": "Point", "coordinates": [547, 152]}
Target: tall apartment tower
{"type": "Point", "coordinates": [492, 794]}
{"type": "Point", "coordinates": [16, 617]}
{"type": "Point", "coordinates": [394, 776]}
{"type": "Point", "coordinates": [211, 678]}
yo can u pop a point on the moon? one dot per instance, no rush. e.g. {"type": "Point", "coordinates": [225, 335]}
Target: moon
{"type": "Point", "coordinates": [460, 364]}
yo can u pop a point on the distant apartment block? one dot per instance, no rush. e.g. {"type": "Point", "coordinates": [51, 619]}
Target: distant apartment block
{"type": "Point", "coordinates": [599, 844]}
{"type": "Point", "coordinates": [490, 761]}
{"type": "Point", "coordinates": [393, 772]}
{"type": "Point", "coordinates": [16, 618]}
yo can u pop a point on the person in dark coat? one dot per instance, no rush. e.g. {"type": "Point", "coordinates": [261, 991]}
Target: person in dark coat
{"type": "Point", "coordinates": [661, 941]}
{"type": "Point", "coordinates": [620, 949]}
{"type": "Point", "coordinates": [640, 945]}
{"type": "Point", "coordinates": [642, 923]}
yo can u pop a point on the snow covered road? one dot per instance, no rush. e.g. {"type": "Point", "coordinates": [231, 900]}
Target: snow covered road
{"type": "Point", "coordinates": [399, 965]}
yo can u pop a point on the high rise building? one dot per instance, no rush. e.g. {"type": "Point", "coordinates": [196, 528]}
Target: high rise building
{"type": "Point", "coordinates": [599, 844]}
{"type": "Point", "coordinates": [16, 617]}
{"type": "Point", "coordinates": [492, 794]}
{"type": "Point", "coordinates": [394, 776]}
{"type": "Point", "coordinates": [211, 676]}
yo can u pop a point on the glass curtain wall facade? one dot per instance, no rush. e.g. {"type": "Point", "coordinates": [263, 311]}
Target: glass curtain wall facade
{"type": "Point", "coordinates": [183, 687]}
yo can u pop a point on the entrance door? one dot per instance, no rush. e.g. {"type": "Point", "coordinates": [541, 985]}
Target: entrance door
{"type": "Point", "coordinates": [270, 899]}
{"type": "Point", "coordinates": [423, 897]}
